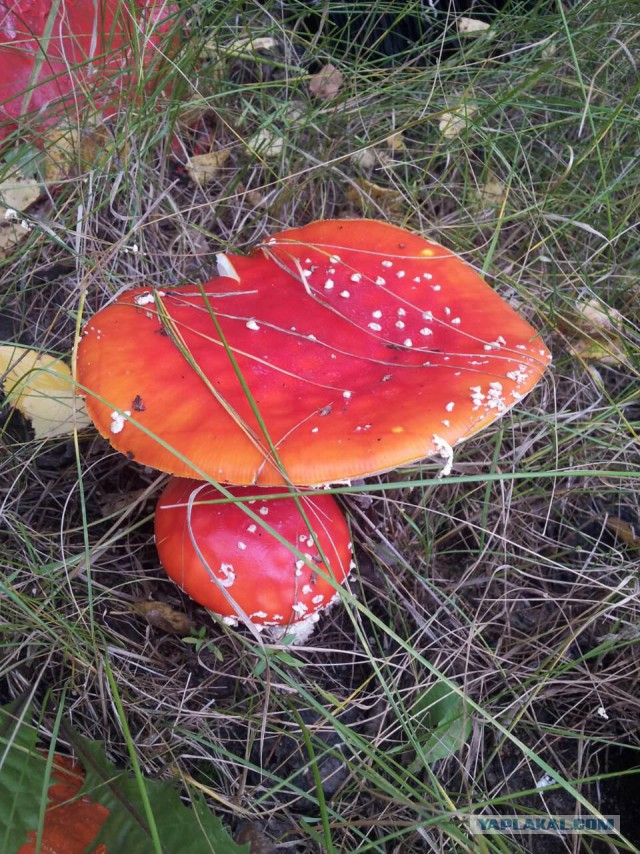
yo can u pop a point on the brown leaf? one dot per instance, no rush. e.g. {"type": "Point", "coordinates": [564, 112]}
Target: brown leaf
{"type": "Point", "coordinates": [389, 199]}
{"type": "Point", "coordinates": [114, 502]}
{"type": "Point", "coordinates": [626, 531]}
{"type": "Point", "coordinates": [251, 832]}
{"type": "Point", "coordinates": [326, 83]}
{"type": "Point", "coordinates": [164, 617]}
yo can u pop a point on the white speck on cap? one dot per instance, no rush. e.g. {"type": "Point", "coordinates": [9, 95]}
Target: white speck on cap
{"type": "Point", "coordinates": [345, 294]}
{"type": "Point", "coordinates": [387, 263]}
{"type": "Point", "coordinates": [251, 324]}
{"type": "Point", "coordinates": [446, 452]}
{"type": "Point", "coordinates": [229, 575]}
{"type": "Point", "coordinates": [118, 420]}
{"type": "Point", "coordinates": [328, 285]}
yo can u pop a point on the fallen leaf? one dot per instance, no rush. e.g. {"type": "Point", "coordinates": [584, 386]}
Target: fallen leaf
{"type": "Point", "coordinates": [396, 141]}
{"type": "Point", "coordinates": [454, 122]}
{"type": "Point", "coordinates": [471, 26]}
{"type": "Point", "coordinates": [626, 531]}
{"type": "Point", "coordinates": [364, 158]}
{"type": "Point", "coordinates": [249, 45]}
{"type": "Point", "coordinates": [71, 823]}
{"type": "Point", "coordinates": [363, 191]}
{"type": "Point", "coordinates": [594, 316]}
{"type": "Point", "coordinates": [598, 337]}
{"type": "Point", "coordinates": [17, 192]}
{"type": "Point", "coordinates": [492, 192]}
{"type": "Point", "coordinates": [267, 144]}
{"type": "Point", "coordinates": [203, 168]}
{"type": "Point", "coordinates": [41, 388]}
{"type": "Point", "coordinates": [69, 151]}
{"type": "Point", "coordinates": [606, 351]}
{"type": "Point", "coordinates": [115, 502]}
{"type": "Point", "coordinates": [326, 83]}
{"type": "Point", "coordinates": [164, 617]}
{"type": "Point", "coordinates": [11, 233]}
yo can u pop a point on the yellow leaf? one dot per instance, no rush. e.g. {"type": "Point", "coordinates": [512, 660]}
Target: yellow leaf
{"type": "Point", "coordinates": [267, 144]}
{"type": "Point", "coordinates": [249, 45]}
{"type": "Point", "coordinates": [596, 317]}
{"type": "Point", "coordinates": [605, 351]}
{"type": "Point", "coordinates": [492, 192]}
{"type": "Point", "coordinates": [70, 151]}
{"type": "Point", "coordinates": [326, 83]}
{"type": "Point", "coordinates": [396, 141]}
{"type": "Point", "coordinates": [17, 192]}
{"type": "Point", "coordinates": [11, 233]}
{"type": "Point", "coordinates": [471, 26]}
{"type": "Point", "coordinates": [40, 386]}
{"type": "Point", "coordinates": [203, 168]}
{"type": "Point", "coordinates": [454, 122]}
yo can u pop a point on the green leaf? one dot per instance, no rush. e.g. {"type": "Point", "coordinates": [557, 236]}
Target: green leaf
{"type": "Point", "coordinates": [181, 828]}
{"type": "Point", "coordinates": [21, 780]}
{"type": "Point", "coordinates": [443, 722]}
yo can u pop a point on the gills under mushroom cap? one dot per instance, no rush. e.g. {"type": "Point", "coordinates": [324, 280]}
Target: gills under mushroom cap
{"type": "Point", "coordinates": [338, 350]}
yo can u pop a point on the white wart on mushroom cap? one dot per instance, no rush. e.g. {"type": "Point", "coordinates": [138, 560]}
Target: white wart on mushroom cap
{"type": "Point", "coordinates": [362, 346]}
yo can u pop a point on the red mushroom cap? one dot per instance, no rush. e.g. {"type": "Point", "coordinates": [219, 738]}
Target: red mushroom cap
{"type": "Point", "coordinates": [58, 58]}
{"type": "Point", "coordinates": [349, 347]}
{"type": "Point", "coordinates": [230, 563]}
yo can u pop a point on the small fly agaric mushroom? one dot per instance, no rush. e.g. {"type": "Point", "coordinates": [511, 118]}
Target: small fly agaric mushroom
{"type": "Point", "coordinates": [58, 59]}
{"type": "Point", "coordinates": [230, 562]}
{"type": "Point", "coordinates": [334, 351]}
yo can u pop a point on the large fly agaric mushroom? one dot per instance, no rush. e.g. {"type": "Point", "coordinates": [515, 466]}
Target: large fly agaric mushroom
{"type": "Point", "coordinates": [57, 59]}
{"type": "Point", "coordinates": [231, 562]}
{"type": "Point", "coordinates": [334, 351]}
